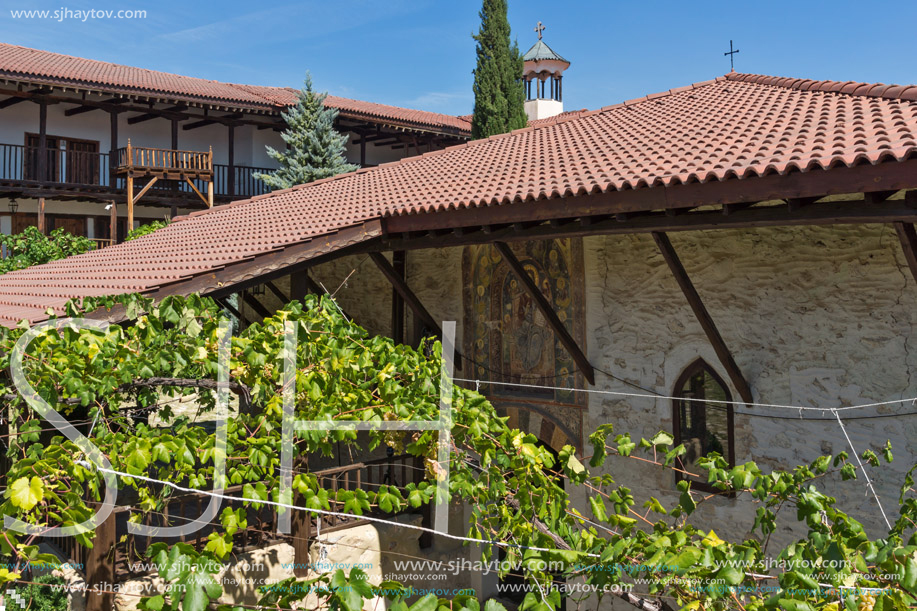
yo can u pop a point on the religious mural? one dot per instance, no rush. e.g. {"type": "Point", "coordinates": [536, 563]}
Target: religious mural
{"type": "Point", "coordinates": [509, 340]}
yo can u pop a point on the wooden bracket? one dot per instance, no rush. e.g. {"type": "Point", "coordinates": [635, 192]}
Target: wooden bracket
{"type": "Point", "coordinates": [908, 238]}
{"type": "Point", "coordinates": [702, 315]}
{"type": "Point", "coordinates": [144, 190]}
{"type": "Point", "coordinates": [409, 297]}
{"type": "Point", "coordinates": [199, 194]}
{"type": "Point", "coordinates": [560, 331]}
{"type": "Point", "coordinates": [256, 305]}
{"type": "Point", "coordinates": [277, 292]}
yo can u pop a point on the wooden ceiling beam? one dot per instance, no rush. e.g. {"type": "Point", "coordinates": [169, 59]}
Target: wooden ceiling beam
{"type": "Point", "coordinates": [284, 299]}
{"type": "Point", "coordinates": [547, 310]}
{"type": "Point", "coordinates": [816, 183]}
{"type": "Point", "coordinates": [877, 197]}
{"type": "Point", "coordinates": [402, 288]}
{"type": "Point", "coordinates": [10, 101]}
{"type": "Point", "coordinates": [256, 305]}
{"type": "Point", "coordinates": [197, 124]}
{"type": "Point", "coordinates": [79, 110]}
{"type": "Point", "coordinates": [828, 213]}
{"type": "Point", "coordinates": [144, 117]}
{"type": "Point", "coordinates": [703, 316]}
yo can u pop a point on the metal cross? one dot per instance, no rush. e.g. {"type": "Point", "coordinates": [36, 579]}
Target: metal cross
{"type": "Point", "coordinates": [731, 54]}
{"type": "Point", "coordinates": [539, 28]}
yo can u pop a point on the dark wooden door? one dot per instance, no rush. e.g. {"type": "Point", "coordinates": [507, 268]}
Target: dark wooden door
{"type": "Point", "coordinates": [82, 162]}
{"type": "Point", "coordinates": [71, 224]}
{"type": "Point", "coordinates": [32, 152]}
{"type": "Point", "coordinates": [21, 220]}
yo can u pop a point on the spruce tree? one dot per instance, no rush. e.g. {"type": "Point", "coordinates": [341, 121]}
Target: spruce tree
{"type": "Point", "coordinates": [499, 96]}
{"type": "Point", "coordinates": [315, 150]}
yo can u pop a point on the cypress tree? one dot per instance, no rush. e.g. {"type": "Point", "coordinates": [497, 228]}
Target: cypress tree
{"type": "Point", "coordinates": [315, 149]}
{"type": "Point", "coordinates": [499, 97]}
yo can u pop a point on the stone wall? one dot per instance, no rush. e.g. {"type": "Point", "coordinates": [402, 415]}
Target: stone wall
{"type": "Point", "coordinates": [814, 316]}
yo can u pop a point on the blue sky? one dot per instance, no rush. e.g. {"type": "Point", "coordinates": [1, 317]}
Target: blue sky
{"type": "Point", "coordinates": [420, 53]}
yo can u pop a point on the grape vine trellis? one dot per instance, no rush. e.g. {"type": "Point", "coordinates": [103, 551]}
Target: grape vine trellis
{"type": "Point", "coordinates": [511, 481]}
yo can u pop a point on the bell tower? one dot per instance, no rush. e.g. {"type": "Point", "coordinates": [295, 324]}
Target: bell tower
{"type": "Point", "coordinates": [543, 77]}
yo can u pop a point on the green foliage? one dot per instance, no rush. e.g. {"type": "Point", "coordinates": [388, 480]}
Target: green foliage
{"type": "Point", "coordinates": [499, 95]}
{"type": "Point", "coordinates": [46, 593]}
{"type": "Point", "coordinates": [147, 229]}
{"type": "Point", "coordinates": [512, 483]}
{"type": "Point", "coordinates": [315, 150]}
{"type": "Point", "coordinates": [31, 247]}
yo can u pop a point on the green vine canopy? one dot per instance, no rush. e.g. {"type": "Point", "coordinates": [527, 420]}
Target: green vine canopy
{"type": "Point", "coordinates": [105, 379]}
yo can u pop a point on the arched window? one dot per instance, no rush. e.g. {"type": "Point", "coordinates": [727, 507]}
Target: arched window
{"type": "Point", "coordinates": [701, 423]}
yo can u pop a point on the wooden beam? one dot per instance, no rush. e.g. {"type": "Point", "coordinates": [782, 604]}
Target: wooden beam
{"type": "Point", "coordinates": [829, 213]}
{"type": "Point", "coordinates": [130, 198]}
{"type": "Point", "coordinates": [820, 183]}
{"type": "Point", "coordinates": [197, 124]}
{"type": "Point", "coordinates": [224, 303]}
{"type": "Point", "coordinates": [142, 118]}
{"type": "Point", "coordinates": [547, 310]}
{"type": "Point", "coordinates": [145, 189]}
{"type": "Point", "coordinates": [231, 160]}
{"type": "Point", "coordinates": [113, 222]}
{"type": "Point", "coordinates": [399, 265]}
{"type": "Point", "coordinates": [43, 139]}
{"type": "Point", "coordinates": [199, 194]}
{"type": "Point", "coordinates": [113, 150]}
{"type": "Point", "coordinates": [908, 238]}
{"type": "Point", "coordinates": [42, 222]}
{"type": "Point", "coordinates": [10, 101]}
{"type": "Point", "coordinates": [277, 292]}
{"type": "Point", "coordinates": [877, 197]}
{"type": "Point", "coordinates": [702, 315]}
{"type": "Point", "coordinates": [409, 297]}
{"type": "Point", "coordinates": [254, 304]}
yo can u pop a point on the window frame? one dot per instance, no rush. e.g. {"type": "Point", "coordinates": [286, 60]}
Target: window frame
{"type": "Point", "coordinates": [697, 366]}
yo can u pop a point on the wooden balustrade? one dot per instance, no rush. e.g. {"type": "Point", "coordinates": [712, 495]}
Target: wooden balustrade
{"type": "Point", "coordinates": [116, 555]}
{"type": "Point", "coordinates": [155, 160]}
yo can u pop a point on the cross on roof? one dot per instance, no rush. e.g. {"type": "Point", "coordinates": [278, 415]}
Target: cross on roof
{"type": "Point", "coordinates": [539, 28]}
{"type": "Point", "coordinates": [731, 55]}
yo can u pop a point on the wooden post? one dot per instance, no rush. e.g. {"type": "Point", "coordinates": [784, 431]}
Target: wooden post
{"type": "Point", "coordinates": [301, 527]}
{"type": "Point", "coordinates": [113, 151]}
{"type": "Point", "coordinates": [43, 140]}
{"type": "Point", "coordinates": [130, 202]}
{"type": "Point", "coordinates": [398, 262]}
{"type": "Point", "coordinates": [210, 183]}
{"type": "Point", "coordinates": [702, 315]}
{"type": "Point", "coordinates": [174, 148]}
{"type": "Point", "coordinates": [113, 222]}
{"type": "Point", "coordinates": [231, 170]}
{"type": "Point", "coordinates": [363, 150]}
{"type": "Point", "coordinates": [100, 567]}
{"type": "Point", "coordinates": [42, 226]}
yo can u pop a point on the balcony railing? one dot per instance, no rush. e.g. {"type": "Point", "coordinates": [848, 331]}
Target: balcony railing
{"type": "Point", "coordinates": [22, 164]}
{"type": "Point", "coordinates": [164, 160]}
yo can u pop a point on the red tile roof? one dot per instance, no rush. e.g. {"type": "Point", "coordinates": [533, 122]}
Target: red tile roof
{"type": "Point", "coordinates": [737, 126]}
{"type": "Point", "coordinates": [44, 67]}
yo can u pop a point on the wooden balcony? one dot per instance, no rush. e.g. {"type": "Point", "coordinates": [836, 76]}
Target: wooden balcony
{"type": "Point", "coordinates": [170, 164]}
{"type": "Point", "coordinates": [29, 171]}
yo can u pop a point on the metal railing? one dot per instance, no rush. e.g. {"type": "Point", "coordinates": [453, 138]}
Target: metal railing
{"type": "Point", "coordinates": [19, 163]}
{"type": "Point", "coordinates": [60, 166]}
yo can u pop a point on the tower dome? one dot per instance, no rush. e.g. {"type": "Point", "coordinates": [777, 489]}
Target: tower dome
{"type": "Point", "coordinates": [543, 73]}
